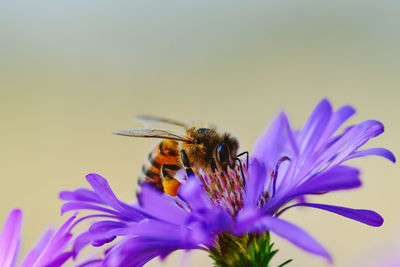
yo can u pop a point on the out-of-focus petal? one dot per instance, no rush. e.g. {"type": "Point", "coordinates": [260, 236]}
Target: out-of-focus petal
{"type": "Point", "coordinates": [60, 259]}
{"type": "Point", "coordinates": [10, 238]}
{"type": "Point", "coordinates": [34, 253]}
{"type": "Point", "coordinates": [91, 263]}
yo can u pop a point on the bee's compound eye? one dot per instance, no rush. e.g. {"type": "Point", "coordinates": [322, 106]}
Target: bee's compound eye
{"type": "Point", "coordinates": [223, 153]}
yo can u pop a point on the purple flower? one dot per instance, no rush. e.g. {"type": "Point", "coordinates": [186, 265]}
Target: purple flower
{"type": "Point", "coordinates": [284, 168]}
{"type": "Point", "coordinates": [50, 250]}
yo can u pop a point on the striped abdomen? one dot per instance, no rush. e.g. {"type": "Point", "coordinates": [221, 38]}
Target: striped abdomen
{"type": "Point", "coordinates": [165, 153]}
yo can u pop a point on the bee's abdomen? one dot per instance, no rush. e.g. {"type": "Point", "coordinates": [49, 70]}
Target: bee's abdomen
{"type": "Point", "coordinates": [165, 153]}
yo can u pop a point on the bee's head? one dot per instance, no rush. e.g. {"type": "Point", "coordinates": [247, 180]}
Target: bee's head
{"type": "Point", "coordinates": [211, 148]}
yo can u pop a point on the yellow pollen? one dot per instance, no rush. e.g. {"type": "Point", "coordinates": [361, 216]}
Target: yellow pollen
{"type": "Point", "coordinates": [171, 186]}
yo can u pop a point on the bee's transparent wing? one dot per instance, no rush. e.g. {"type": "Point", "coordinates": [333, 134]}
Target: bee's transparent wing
{"type": "Point", "coordinates": [153, 133]}
{"type": "Point", "coordinates": [146, 119]}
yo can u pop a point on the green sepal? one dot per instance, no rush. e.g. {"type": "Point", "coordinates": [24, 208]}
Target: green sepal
{"type": "Point", "coordinates": [249, 250]}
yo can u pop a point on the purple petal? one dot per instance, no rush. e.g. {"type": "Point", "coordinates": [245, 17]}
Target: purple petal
{"type": "Point", "coordinates": [160, 205]}
{"type": "Point", "coordinates": [34, 253]}
{"type": "Point", "coordinates": [86, 206]}
{"type": "Point", "coordinates": [353, 139]}
{"type": "Point", "coordinates": [340, 147]}
{"type": "Point", "coordinates": [102, 232]}
{"type": "Point", "coordinates": [255, 183]}
{"type": "Point", "coordinates": [217, 220]}
{"type": "Point", "coordinates": [91, 263]}
{"type": "Point", "coordinates": [368, 217]}
{"type": "Point", "coordinates": [314, 127]}
{"type": "Point", "coordinates": [290, 134]}
{"type": "Point", "coordinates": [80, 242]}
{"type": "Point", "coordinates": [81, 194]}
{"type": "Point", "coordinates": [137, 251]}
{"type": "Point", "coordinates": [211, 218]}
{"type": "Point", "coordinates": [101, 187]}
{"type": "Point", "coordinates": [103, 190]}
{"type": "Point", "coordinates": [337, 119]}
{"type": "Point", "coordinates": [101, 241]}
{"type": "Point", "coordinates": [156, 230]}
{"type": "Point", "coordinates": [86, 238]}
{"type": "Point", "coordinates": [194, 195]}
{"type": "Point", "coordinates": [337, 178]}
{"type": "Point", "coordinates": [57, 244]}
{"type": "Point", "coordinates": [285, 230]}
{"type": "Point", "coordinates": [105, 226]}
{"type": "Point", "coordinates": [267, 147]}
{"type": "Point", "coordinates": [132, 252]}
{"type": "Point", "coordinates": [382, 152]}
{"type": "Point", "coordinates": [105, 232]}
{"type": "Point", "coordinates": [60, 260]}
{"type": "Point", "coordinates": [10, 238]}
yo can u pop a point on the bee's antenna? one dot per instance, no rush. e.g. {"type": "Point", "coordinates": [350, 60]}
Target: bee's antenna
{"type": "Point", "coordinates": [247, 157]}
{"type": "Point", "coordinates": [241, 170]}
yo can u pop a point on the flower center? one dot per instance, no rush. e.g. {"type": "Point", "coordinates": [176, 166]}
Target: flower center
{"type": "Point", "coordinates": [226, 188]}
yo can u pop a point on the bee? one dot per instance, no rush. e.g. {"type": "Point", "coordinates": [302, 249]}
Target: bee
{"type": "Point", "coordinates": [197, 148]}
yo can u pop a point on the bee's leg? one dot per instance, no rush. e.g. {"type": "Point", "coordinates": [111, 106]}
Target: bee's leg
{"type": "Point", "coordinates": [186, 164]}
{"type": "Point", "coordinates": [241, 171]}
{"type": "Point", "coordinates": [213, 165]}
{"type": "Point", "coordinates": [170, 184]}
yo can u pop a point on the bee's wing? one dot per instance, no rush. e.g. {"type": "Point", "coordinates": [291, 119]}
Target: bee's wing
{"type": "Point", "coordinates": [153, 133]}
{"type": "Point", "coordinates": [154, 119]}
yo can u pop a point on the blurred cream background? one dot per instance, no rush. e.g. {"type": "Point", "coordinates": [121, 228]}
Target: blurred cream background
{"type": "Point", "coordinates": [71, 72]}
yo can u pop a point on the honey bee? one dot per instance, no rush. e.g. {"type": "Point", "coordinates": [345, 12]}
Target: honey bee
{"type": "Point", "coordinates": [198, 148]}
